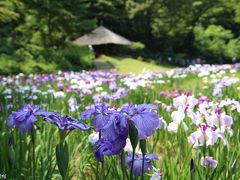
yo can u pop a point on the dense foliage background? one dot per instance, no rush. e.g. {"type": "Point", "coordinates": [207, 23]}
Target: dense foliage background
{"type": "Point", "coordinates": [37, 33]}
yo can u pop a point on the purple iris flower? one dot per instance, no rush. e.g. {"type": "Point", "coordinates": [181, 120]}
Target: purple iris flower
{"type": "Point", "coordinates": [175, 94]}
{"type": "Point", "coordinates": [66, 122]}
{"type": "Point", "coordinates": [144, 117]}
{"type": "Point", "coordinates": [138, 160]}
{"type": "Point", "coordinates": [209, 162]}
{"type": "Point", "coordinates": [24, 118]}
{"type": "Point", "coordinates": [90, 110]}
{"type": "Point", "coordinates": [97, 99]}
{"type": "Point", "coordinates": [101, 115]}
{"type": "Point", "coordinates": [114, 125]}
{"type": "Point", "coordinates": [119, 94]}
{"type": "Point", "coordinates": [108, 147]}
{"type": "Point", "coordinates": [112, 85]}
{"type": "Point", "coordinates": [114, 130]}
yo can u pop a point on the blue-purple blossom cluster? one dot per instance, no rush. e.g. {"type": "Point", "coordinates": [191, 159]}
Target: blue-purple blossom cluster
{"type": "Point", "coordinates": [102, 87]}
{"type": "Point", "coordinates": [205, 121]}
{"type": "Point", "coordinates": [113, 123]}
{"type": "Point", "coordinates": [225, 82]}
{"type": "Point", "coordinates": [26, 116]}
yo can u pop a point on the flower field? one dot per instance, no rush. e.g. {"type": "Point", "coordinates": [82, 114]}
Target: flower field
{"type": "Point", "coordinates": [182, 124]}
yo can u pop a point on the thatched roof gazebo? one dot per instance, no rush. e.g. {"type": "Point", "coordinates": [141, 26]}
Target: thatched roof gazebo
{"type": "Point", "coordinates": [102, 41]}
{"type": "Point", "coordinates": [101, 35]}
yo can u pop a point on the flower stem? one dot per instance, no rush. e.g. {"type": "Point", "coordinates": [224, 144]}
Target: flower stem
{"type": "Point", "coordinates": [143, 146]}
{"type": "Point", "coordinates": [103, 173]}
{"type": "Point", "coordinates": [132, 164]}
{"type": "Point", "coordinates": [33, 152]}
{"type": "Point", "coordinates": [122, 164]}
{"type": "Point", "coordinates": [142, 177]}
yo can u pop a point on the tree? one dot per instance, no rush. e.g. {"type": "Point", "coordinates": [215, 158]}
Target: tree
{"type": "Point", "coordinates": [59, 21]}
{"type": "Point", "coordinates": [233, 47]}
{"type": "Point", "coordinates": [10, 18]}
{"type": "Point", "coordinates": [8, 10]}
{"type": "Point", "coordinates": [213, 41]}
{"type": "Point", "coordinates": [111, 14]}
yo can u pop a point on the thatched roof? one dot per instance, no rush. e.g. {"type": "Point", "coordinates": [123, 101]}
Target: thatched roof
{"type": "Point", "coordinates": [101, 35]}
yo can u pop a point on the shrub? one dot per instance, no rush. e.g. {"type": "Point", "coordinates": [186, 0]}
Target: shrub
{"type": "Point", "coordinates": [80, 57]}
{"type": "Point", "coordinates": [8, 65]}
{"type": "Point", "coordinates": [34, 59]}
{"type": "Point", "coordinates": [32, 66]}
{"type": "Point", "coordinates": [72, 58]}
{"type": "Point", "coordinates": [137, 46]}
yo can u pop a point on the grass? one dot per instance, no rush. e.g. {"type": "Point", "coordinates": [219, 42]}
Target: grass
{"type": "Point", "coordinates": [131, 65]}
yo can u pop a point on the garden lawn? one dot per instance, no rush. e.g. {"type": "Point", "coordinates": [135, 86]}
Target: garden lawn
{"type": "Point", "coordinates": [131, 65]}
